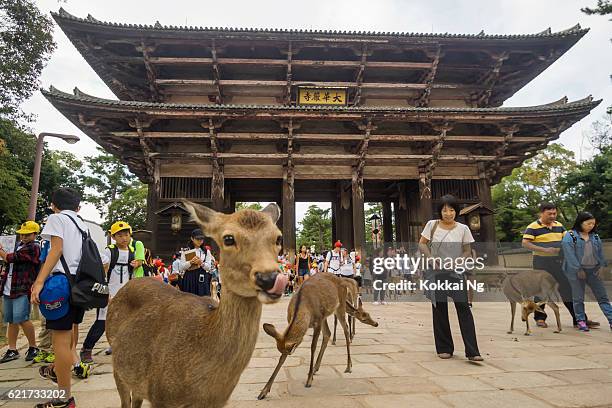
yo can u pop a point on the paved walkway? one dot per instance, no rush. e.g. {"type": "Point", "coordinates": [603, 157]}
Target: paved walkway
{"type": "Point", "coordinates": [394, 365]}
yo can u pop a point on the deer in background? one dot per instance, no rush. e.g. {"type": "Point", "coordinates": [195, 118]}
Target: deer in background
{"type": "Point", "coordinates": [144, 309]}
{"type": "Point", "coordinates": [355, 300]}
{"type": "Point", "coordinates": [318, 297]}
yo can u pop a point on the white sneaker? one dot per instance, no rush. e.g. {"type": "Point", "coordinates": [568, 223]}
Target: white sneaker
{"type": "Point", "coordinates": [383, 303]}
{"type": "Point", "coordinates": [376, 303]}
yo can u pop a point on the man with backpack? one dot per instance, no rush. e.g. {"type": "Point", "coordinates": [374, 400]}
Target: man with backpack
{"type": "Point", "coordinates": [73, 270]}
{"type": "Point", "coordinates": [121, 261]}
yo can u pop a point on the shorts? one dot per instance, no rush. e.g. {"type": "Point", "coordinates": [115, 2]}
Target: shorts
{"type": "Point", "coordinates": [303, 272]}
{"type": "Point", "coordinates": [16, 310]}
{"type": "Point", "coordinates": [74, 316]}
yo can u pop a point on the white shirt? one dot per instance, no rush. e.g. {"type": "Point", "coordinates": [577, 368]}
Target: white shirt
{"type": "Point", "coordinates": [176, 265]}
{"type": "Point", "coordinates": [9, 276]}
{"type": "Point", "coordinates": [205, 256]}
{"type": "Point", "coordinates": [59, 225]}
{"type": "Point", "coordinates": [334, 260]}
{"type": "Point", "coordinates": [120, 275]}
{"type": "Point", "coordinates": [448, 243]}
{"type": "Point", "coordinates": [347, 267]}
{"type": "Point", "coordinates": [357, 268]}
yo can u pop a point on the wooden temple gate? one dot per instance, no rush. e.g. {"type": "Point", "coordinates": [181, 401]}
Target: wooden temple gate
{"type": "Point", "coordinates": [216, 116]}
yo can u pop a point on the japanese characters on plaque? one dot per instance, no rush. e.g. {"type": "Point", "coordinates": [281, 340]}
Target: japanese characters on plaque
{"type": "Point", "coordinates": [322, 96]}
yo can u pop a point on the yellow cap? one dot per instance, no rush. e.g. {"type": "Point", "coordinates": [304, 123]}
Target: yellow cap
{"type": "Point", "coordinates": [29, 227]}
{"type": "Point", "coordinates": [120, 226]}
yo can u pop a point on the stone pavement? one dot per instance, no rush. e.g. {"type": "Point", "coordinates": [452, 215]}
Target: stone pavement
{"type": "Point", "coordinates": [395, 365]}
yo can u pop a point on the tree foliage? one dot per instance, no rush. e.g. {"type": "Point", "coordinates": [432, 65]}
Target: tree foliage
{"type": "Point", "coordinates": [130, 206]}
{"type": "Point", "coordinates": [603, 8]}
{"type": "Point", "coordinates": [315, 229]}
{"type": "Point", "coordinates": [248, 206]}
{"type": "Point", "coordinates": [26, 44]}
{"type": "Point", "coordinates": [17, 150]}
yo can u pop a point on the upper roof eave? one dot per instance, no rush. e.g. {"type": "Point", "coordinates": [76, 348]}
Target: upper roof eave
{"type": "Point", "coordinates": [561, 105]}
{"type": "Point", "coordinates": [62, 16]}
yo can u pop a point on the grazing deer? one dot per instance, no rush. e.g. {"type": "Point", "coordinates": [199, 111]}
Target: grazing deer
{"type": "Point", "coordinates": [318, 297]}
{"type": "Point", "coordinates": [520, 288]}
{"type": "Point", "coordinates": [355, 300]}
{"type": "Point", "coordinates": [149, 322]}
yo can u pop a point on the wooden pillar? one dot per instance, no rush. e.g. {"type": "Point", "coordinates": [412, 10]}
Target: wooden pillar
{"type": "Point", "coordinates": [396, 222]}
{"type": "Point", "coordinates": [358, 212]}
{"type": "Point", "coordinates": [334, 212]}
{"type": "Point", "coordinates": [154, 190]}
{"type": "Point", "coordinates": [425, 205]}
{"type": "Point", "coordinates": [288, 213]}
{"type": "Point", "coordinates": [217, 192]}
{"type": "Point", "coordinates": [344, 215]}
{"type": "Point", "coordinates": [387, 222]}
{"type": "Point", "coordinates": [402, 213]}
{"type": "Point", "coordinates": [487, 222]}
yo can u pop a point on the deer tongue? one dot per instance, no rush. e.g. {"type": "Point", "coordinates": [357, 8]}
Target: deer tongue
{"type": "Point", "coordinates": [279, 285]}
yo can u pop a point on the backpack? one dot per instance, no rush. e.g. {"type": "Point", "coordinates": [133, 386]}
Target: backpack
{"type": "Point", "coordinates": [89, 288]}
{"type": "Point", "coordinates": [115, 257]}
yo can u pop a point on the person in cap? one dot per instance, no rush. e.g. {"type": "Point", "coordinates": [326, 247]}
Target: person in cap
{"type": "Point", "coordinates": [120, 261]}
{"type": "Point", "coordinates": [196, 272]}
{"type": "Point", "coordinates": [15, 283]}
{"type": "Point", "coordinates": [334, 259]}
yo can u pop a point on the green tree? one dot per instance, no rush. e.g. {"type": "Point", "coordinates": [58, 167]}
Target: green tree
{"type": "Point", "coordinates": [517, 197]}
{"type": "Point", "coordinates": [58, 169]}
{"type": "Point", "coordinates": [130, 206]}
{"type": "Point", "coordinates": [603, 7]}
{"type": "Point", "coordinates": [26, 44]}
{"type": "Point", "coordinates": [106, 180]}
{"type": "Point", "coordinates": [315, 228]}
{"type": "Point", "coordinates": [248, 206]}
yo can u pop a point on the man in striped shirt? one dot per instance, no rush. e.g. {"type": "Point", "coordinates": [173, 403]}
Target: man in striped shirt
{"type": "Point", "coordinates": [543, 237]}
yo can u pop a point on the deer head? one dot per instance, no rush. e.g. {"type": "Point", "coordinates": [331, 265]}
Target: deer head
{"type": "Point", "coordinates": [529, 306]}
{"type": "Point", "coordinates": [360, 314]}
{"type": "Point", "coordinates": [285, 346]}
{"type": "Point", "coordinates": [249, 242]}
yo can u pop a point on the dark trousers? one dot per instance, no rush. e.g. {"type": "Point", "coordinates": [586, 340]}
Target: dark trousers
{"type": "Point", "coordinates": [553, 265]}
{"type": "Point", "coordinates": [441, 326]}
{"type": "Point", "coordinates": [94, 334]}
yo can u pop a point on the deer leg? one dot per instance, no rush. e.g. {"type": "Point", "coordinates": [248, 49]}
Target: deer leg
{"type": "Point", "coordinates": [555, 309]}
{"type": "Point", "coordinates": [313, 349]}
{"type": "Point", "coordinates": [335, 325]}
{"type": "Point", "coordinates": [528, 330]}
{"type": "Point", "coordinates": [326, 336]}
{"type": "Point", "coordinates": [268, 386]}
{"type": "Point", "coordinates": [353, 328]}
{"type": "Point", "coordinates": [349, 364]}
{"type": "Point", "coordinates": [513, 312]}
{"type": "Point", "coordinates": [124, 391]}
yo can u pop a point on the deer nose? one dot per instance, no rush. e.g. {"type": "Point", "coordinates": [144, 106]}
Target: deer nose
{"type": "Point", "coordinates": [266, 281]}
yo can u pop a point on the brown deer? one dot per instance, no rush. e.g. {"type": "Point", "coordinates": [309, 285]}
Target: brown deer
{"type": "Point", "coordinates": [318, 297]}
{"type": "Point", "coordinates": [149, 322]}
{"type": "Point", "coordinates": [355, 300]}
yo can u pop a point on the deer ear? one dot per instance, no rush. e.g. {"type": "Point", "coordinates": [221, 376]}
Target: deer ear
{"type": "Point", "coordinates": [360, 303]}
{"type": "Point", "coordinates": [273, 210]}
{"type": "Point", "coordinates": [204, 216]}
{"type": "Point", "coordinates": [271, 331]}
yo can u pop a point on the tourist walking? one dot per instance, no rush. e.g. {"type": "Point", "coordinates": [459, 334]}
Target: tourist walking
{"type": "Point", "coordinates": [444, 239]}
{"type": "Point", "coordinates": [15, 285]}
{"type": "Point", "coordinates": [196, 271]}
{"type": "Point", "coordinates": [543, 237]}
{"type": "Point", "coordinates": [583, 263]}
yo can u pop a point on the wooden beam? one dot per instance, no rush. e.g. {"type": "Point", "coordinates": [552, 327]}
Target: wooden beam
{"type": "Point", "coordinates": [501, 150]}
{"type": "Point", "coordinates": [287, 96]}
{"type": "Point", "coordinates": [490, 79]}
{"type": "Point", "coordinates": [360, 73]}
{"type": "Point", "coordinates": [288, 211]}
{"type": "Point", "coordinates": [146, 151]}
{"type": "Point", "coordinates": [423, 99]}
{"type": "Point", "coordinates": [216, 75]}
{"type": "Point", "coordinates": [156, 95]}
{"type": "Point", "coordinates": [332, 137]}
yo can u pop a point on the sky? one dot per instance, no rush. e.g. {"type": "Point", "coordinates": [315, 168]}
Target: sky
{"type": "Point", "coordinates": [584, 70]}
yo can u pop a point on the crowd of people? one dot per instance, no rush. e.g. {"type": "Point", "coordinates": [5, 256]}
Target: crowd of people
{"type": "Point", "coordinates": [574, 258]}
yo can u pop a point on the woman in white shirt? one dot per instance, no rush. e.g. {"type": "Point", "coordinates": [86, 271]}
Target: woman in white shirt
{"type": "Point", "coordinates": [196, 272]}
{"type": "Point", "coordinates": [445, 239]}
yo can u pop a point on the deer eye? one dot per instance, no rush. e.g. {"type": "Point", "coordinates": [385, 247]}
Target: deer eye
{"type": "Point", "coordinates": [279, 240]}
{"type": "Point", "coordinates": [228, 240]}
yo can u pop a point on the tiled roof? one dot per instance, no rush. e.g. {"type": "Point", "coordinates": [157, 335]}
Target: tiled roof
{"type": "Point", "coordinates": [79, 96]}
{"type": "Point", "coordinates": [572, 31]}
